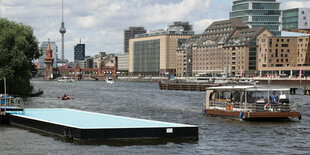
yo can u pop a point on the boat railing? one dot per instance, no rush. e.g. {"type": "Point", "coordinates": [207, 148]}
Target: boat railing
{"type": "Point", "coordinates": [16, 102]}
{"type": "Point", "coordinates": [253, 107]}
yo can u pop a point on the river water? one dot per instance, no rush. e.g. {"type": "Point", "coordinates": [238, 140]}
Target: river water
{"type": "Point", "coordinates": [217, 135]}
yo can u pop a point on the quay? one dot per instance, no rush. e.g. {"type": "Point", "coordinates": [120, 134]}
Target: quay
{"type": "Point", "coordinates": [89, 126]}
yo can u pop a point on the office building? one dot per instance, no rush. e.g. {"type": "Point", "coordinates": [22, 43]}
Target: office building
{"type": "Point", "coordinates": [185, 25]}
{"type": "Point", "coordinates": [154, 54]}
{"type": "Point", "coordinates": [296, 20]}
{"type": "Point", "coordinates": [123, 63]}
{"type": "Point", "coordinates": [79, 52]}
{"type": "Point", "coordinates": [258, 13]}
{"type": "Point", "coordinates": [130, 33]}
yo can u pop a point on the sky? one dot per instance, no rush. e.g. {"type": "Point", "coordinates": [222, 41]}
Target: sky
{"type": "Point", "coordinates": [100, 24]}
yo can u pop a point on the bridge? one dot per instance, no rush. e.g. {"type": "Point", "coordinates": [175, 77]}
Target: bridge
{"type": "Point", "coordinates": [77, 72]}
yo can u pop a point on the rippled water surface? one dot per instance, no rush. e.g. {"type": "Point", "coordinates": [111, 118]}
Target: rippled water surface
{"type": "Point", "coordinates": [217, 135]}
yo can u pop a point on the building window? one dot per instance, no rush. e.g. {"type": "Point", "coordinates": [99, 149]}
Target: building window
{"type": "Point", "coordinates": [302, 12]}
{"type": "Point", "coordinates": [284, 45]}
{"type": "Point", "coordinates": [306, 24]}
{"type": "Point", "coordinates": [304, 18]}
{"type": "Point", "coordinates": [288, 50]}
{"type": "Point", "coordinates": [288, 40]}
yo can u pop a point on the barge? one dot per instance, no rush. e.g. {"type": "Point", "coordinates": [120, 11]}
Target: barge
{"type": "Point", "coordinates": [189, 86]}
{"type": "Point", "coordinates": [250, 103]}
{"type": "Point", "coordinates": [85, 126]}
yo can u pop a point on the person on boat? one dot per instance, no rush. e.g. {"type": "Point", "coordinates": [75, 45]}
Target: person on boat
{"type": "Point", "coordinates": [261, 100]}
{"type": "Point", "coordinates": [274, 98]}
{"type": "Point", "coordinates": [65, 97]}
{"type": "Point", "coordinates": [282, 98]}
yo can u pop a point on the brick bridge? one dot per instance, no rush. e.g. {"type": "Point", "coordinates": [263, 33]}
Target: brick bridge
{"type": "Point", "coordinates": [78, 73]}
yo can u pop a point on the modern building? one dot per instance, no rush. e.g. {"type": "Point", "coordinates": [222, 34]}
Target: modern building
{"type": "Point", "coordinates": [283, 55]}
{"type": "Point", "coordinates": [54, 48]}
{"type": "Point", "coordinates": [79, 52]}
{"type": "Point", "coordinates": [296, 20]}
{"type": "Point", "coordinates": [87, 63]}
{"type": "Point", "coordinates": [98, 59]}
{"type": "Point", "coordinates": [130, 33]}
{"type": "Point", "coordinates": [227, 46]}
{"type": "Point", "coordinates": [185, 25]}
{"type": "Point", "coordinates": [154, 54]}
{"type": "Point", "coordinates": [123, 63]}
{"type": "Point", "coordinates": [258, 13]}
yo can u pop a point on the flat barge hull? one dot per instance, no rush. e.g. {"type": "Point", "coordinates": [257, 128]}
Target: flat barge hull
{"type": "Point", "coordinates": [186, 86]}
{"type": "Point", "coordinates": [253, 115]}
{"type": "Point", "coordinates": [88, 126]}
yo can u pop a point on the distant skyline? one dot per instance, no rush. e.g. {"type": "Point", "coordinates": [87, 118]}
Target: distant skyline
{"type": "Point", "coordinates": [101, 23]}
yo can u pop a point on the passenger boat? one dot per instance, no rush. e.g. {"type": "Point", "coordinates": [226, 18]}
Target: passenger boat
{"type": "Point", "coordinates": [249, 102]}
{"type": "Point", "coordinates": [109, 80]}
{"type": "Point", "coordinates": [65, 79]}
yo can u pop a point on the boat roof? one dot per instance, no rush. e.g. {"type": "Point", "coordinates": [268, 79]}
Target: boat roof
{"type": "Point", "coordinates": [268, 89]}
{"type": "Point", "coordinates": [248, 88]}
{"type": "Point", "coordinates": [230, 87]}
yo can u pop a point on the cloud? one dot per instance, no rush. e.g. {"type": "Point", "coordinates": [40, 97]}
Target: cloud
{"type": "Point", "coordinates": [101, 23]}
{"type": "Point", "coordinates": [297, 4]}
{"type": "Point", "coordinates": [201, 25]}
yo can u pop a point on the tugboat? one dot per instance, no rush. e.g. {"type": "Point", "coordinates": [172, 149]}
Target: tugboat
{"type": "Point", "coordinates": [250, 103]}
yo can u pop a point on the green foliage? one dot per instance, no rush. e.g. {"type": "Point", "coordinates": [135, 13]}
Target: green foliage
{"type": "Point", "coordinates": [18, 47]}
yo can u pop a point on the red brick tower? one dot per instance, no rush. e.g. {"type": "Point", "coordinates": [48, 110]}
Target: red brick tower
{"type": "Point", "coordinates": [48, 60]}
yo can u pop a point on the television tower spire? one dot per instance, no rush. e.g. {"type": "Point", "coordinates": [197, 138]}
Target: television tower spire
{"type": "Point", "coordinates": [62, 30]}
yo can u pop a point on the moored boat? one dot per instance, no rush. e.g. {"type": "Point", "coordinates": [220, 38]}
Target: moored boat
{"type": "Point", "coordinates": [65, 79]}
{"type": "Point", "coordinates": [250, 102]}
{"type": "Point", "coordinates": [109, 80]}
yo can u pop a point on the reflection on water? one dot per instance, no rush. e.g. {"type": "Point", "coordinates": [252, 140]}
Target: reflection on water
{"type": "Point", "coordinates": [217, 135]}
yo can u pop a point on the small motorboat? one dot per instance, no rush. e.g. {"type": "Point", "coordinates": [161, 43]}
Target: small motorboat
{"type": "Point", "coordinates": [65, 97]}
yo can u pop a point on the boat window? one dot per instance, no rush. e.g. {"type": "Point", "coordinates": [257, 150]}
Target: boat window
{"type": "Point", "coordinates": [263, 96]}
{"type": "Point", "coordinates": [258, 97]}
{"type": "Point", "coordinates": [223, 96]}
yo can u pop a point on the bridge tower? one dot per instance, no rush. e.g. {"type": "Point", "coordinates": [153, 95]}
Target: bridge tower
{"type": "Point", "coordinates": [48, 60]}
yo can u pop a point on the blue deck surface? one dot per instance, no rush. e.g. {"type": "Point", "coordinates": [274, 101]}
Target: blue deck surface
{"type": "Point", "coordinates": [91, 120]}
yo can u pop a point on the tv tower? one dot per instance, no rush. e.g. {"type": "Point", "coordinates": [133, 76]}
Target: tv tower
{"type": "Point", "coordinates": [62, 30]}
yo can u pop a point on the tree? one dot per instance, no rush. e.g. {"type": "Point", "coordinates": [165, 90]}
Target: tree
{"type": "Point", "coordinates": [18, 48]}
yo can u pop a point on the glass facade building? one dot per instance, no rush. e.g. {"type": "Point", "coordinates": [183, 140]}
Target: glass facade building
{"type": "Point", "coordinates": [258, 13]}
{"type": "Point", "coordinates": [296, 19]}
{"type": "Point", "coordinates": [79, 52]}
{"type": "Point", "coordinates": [146, 56]}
